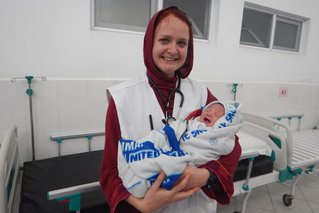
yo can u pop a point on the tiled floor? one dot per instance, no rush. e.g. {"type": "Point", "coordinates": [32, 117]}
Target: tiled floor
{"type": "Point", "coordinates": [268, 199]}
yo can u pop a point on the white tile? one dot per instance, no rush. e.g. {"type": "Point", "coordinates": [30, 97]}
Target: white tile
{"type": "Point", "coordinates": [5, 106]}
{"type": "Point", "coordinates": [307, 96]}
{"type": "Point", "coordinates": [314, 206]}
{"type": "Point", "coordinates": [74, 146]}
{"type": "Point", "coordinates": [45, 102]}
{"type": "Point", "coordinates": [257, 210]}
{"type": "Point", "coordinates": [14, 101]}
{"type": "Point", "coordinates": [280, 189]}
{"type": "Point", "coordinates": [261, 188]}
{"type": "Point", "coordinates": [97, 143]}
{"type": "Point", "coordinates": [309, 181]}
{"type": "Point", "coordinates": [311, 194]}
{"type": "Point", "coordinates": [260, 200]}
{"type": "Point", "coordinates": [44, 147]}
{"type": "Point", "coordinates": [97, 103]}
{"type": "Point", "coordinates": [254, 97]}
{"type": "Point", "coordinates": [25, 151]}
{"type": "Point", "coordinates": [73, 105]}
{"type": "Point", "coordinates": [296, 207]}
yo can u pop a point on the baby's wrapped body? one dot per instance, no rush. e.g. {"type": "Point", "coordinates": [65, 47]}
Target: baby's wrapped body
{"type": "Point", "coordinates": [172, 148]}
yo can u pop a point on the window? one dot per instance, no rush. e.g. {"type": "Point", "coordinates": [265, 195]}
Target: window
{"type": "Point", "coordinates": [199, 14]}
{"type": "Point", "coordinates": [135, 15]}
{"type": "Point", "coordinates": [122, 14]}
{"type": "Point", "coordinates": [269, 28]}
{"type": "Point", "coordinates": [287, 34]}
{"type": "Point", "coordinates": [256, 28]}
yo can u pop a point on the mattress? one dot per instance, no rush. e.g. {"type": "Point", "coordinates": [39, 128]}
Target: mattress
{"type": "Point", "coordinates": [262, 165]}
{"type": "Point", "coordinates": [42, 176]}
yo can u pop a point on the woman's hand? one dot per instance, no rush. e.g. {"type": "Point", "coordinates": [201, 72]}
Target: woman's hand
{"type": "Point", "coordinates": [198, 177]}
{"type": "Point", "coordinates": [156, 197]}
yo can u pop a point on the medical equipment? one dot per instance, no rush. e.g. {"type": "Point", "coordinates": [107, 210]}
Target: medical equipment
{"type": "Point", "coordinates": [251, 175]}
{"type": "Point", "coordinates": [302, 147]}
{"type": "Point", "coordinates": [49, 185]}
{"type": "Point", "coordinates": [41, 176]}
{"type": "Point", "coordinates": [67, 189]}
{"type": "Point", "coordinates": [166, 102]}
{"type": "Point", "coordinates": [29, 91]}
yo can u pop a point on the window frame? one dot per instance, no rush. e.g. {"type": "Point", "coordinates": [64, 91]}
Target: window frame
{"type": "Point", "coordinates": [259, 44]}
{"type": "Point", "coordinates": [120, 27]}
{"type": "Point", "coordinates": [277, 15]}
{"type": "Point", "coordinates": [298, 33]}
{"type": "Point", "coordinates": [155, 6]}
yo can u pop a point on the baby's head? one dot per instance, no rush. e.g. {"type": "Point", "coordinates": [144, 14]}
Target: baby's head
{"type": "Point", "coordinates": [212, 113]}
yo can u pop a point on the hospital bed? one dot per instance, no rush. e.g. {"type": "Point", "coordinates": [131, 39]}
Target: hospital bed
{"type": "Point", "coordinates": [256, 167]}
{"type": "Point", "coordinates": [9, 169]}
{"type": "Point", "coordinates": [302, 146]}
{"type": "Point", "coordinates": [70, 183]}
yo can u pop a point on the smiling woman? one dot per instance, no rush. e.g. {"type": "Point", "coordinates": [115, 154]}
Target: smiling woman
{"type": "Point", "coordinates": [170, 45]}
{"type": "Point", "coordinates": [168, 57]}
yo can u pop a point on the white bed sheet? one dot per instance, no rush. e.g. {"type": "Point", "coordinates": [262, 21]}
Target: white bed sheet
{"type": "Point", "coordinates": [250, 144]}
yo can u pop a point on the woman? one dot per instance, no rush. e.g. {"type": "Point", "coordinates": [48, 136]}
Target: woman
{"type": "Point", "coordinates": [165, 91]}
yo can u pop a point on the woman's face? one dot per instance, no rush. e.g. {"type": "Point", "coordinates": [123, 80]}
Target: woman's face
{"type": "Point", "coordinates": [170, 45]}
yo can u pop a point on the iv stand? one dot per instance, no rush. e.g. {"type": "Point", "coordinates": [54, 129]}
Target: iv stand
{"type": "Point", "coordinates": [29, 91]}
{"type": "Point", "coordinates": [234, 89]}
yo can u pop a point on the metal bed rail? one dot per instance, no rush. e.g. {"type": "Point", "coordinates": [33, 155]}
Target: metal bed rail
{"type": "Point", "coordinates": [302, 147]}
{"type": "Point", "coordinates": [59, 138]}
{"type": "Point", "coordinates": [9, 169]}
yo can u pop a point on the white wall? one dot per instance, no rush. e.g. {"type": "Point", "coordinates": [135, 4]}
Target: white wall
{"type": "Point", "coordinates": [69, 106]}
{"type": "Point", "coordinates": [53, 39]}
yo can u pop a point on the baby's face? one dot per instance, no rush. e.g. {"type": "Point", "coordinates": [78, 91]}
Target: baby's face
{"type": "Point", "coordinates": [211, 114]}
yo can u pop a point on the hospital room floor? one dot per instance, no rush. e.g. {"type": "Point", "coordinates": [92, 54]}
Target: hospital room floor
{"type": "Point", "coordinates": [268, 199]}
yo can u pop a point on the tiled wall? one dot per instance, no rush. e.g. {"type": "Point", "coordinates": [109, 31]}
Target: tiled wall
{"type": "Point", "coordinates": [68, 106]}
{"type": "Point", "coordinates": [59, 106]}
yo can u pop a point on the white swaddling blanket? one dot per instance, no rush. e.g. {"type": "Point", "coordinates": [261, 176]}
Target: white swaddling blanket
{"type": "Point", "coordinates": [171, 149]}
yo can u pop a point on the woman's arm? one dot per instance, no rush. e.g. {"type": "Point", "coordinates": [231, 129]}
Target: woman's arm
{"type": "Point", "coordinates": [224, 169]}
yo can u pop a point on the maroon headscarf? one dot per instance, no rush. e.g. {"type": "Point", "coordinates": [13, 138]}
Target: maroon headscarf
{"type": "Point", "coordinates": [165, 84]}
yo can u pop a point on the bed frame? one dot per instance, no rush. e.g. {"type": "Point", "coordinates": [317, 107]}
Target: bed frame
{"type": "Point", "coordinates": [262, 130]}
{"type": "Point", "coordinates": [279, 156]}
{"type": "Point", "coordinates": [9, 169]}
{"type": "Point", "coordinates": [302, 147]}
{"type": "Point", "coordinates": [243, 186]}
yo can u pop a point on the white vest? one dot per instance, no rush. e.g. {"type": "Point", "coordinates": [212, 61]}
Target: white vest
{"type": "Point", "coordinates": [135, 101]}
